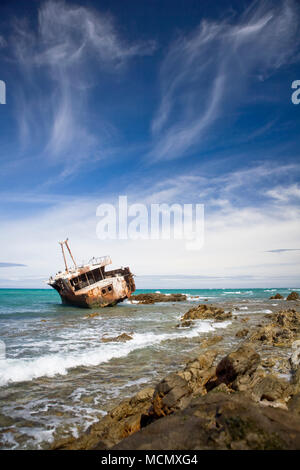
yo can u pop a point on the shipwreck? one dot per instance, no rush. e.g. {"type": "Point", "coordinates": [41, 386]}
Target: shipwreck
{"type": "Point", "coordinates": [90, 285]}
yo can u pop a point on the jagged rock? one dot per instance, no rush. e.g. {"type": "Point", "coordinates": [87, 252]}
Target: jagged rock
{"type": "Point", "coordinates": [120, 422]}
{"type": "Point", "coordinates": [276, 297]}
{"type": "Point", "coordinates": [220, 421]}
{"type": "Point", "coordinates": [271, 389]}
{"type": "Point", "coordinates": [293, 296]}
{"type": "Point", "coordinates": [204, 312]}
{"type": "Point", "coordinates": [154, 297]}
{"type": "Point", "coordinates": [176, 390]}
{"type": "Point", "coordinates": [241, 333]}
{"type": "Point", "coordinates": [282, 331]}
{"type": "Point", "coordinates": [119, 339]}
{"type": "Point", "coordinates": [243, 361]}
{"type": "Point", "coordinates": [184, 324]}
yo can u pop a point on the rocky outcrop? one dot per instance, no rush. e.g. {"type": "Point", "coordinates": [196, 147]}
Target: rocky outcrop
{"type": "Point", "coordinates": [154, 297]}
{"type": "Point", "coordinates": [276, 297]}
{"type": "Point", "coordinates": [284, 329]}
{"type": "Point", "coordinates": [118, 339]}
{"type": "Point", "coordinates": [242, 333]}
{"type": "Point", "coordinates": [232, 402]}
{"type": "Point", "coordinates": [206, 312]}
{"type": "Point", "coordinates": [220, 421]}
{"type": "Point", "coordinates": [240, 362]}
{"type": "Point", "coordinates": [293, 296]}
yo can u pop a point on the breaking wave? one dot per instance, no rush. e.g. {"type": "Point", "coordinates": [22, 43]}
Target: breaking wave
{"type": "Point", "coordinates": [20, 370]}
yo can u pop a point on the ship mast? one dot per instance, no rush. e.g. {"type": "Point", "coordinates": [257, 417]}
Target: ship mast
{"type": "Point", "coordinates": [65, 242]}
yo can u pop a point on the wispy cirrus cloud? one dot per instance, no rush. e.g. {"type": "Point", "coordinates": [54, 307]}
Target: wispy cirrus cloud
{"type": "Point", "coordinates": [285, 193]}
{"type": "Point", "coordinates": [208, 71]}
{"type": "Point", "coordinates": [60, 61]}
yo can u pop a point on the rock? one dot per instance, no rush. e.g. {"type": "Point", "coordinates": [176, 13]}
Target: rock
{"type": "Point", "coordinates": [210, 341]}
{"type": "Point", "coordinates": [294, 404]}
{"type": "Point", "coordinates": [282, 331]}
{"type": "Point", "coordinates": [119, 339]}
{"type": "Point", "coordinates": [120, 422]}
{"type": "Point", "coordinates": [241, 333]}
{"type": "Point", "coordinates": [153, 297]}
{"type": "Point", "coordinates": [295, 357]}
{"type": "Point", "coordinates": [245, 320]}
{"type": "Point", "coordinates": [220, 421]}
{"type": "Point", "coordinates": [92, 315]}
{"type": "Point", "coordinates": [243, 361]}
{"type": "Point", "coordinates": [176, 390]}
{"type": "Point", "coordinates": [293, 296]}
{"type": "Point", "coordinates": [271, 389]}
{"type": "Point", "coordinates": [204, 312]}
{"type": "Point", "coordinates": [269, 362]}
{"type": "Point", "coordinates": [276, 296]}
{"type": "Point", "coordinates": [295, 381]}
{"type": "Point", "coordinates": [184, 324]}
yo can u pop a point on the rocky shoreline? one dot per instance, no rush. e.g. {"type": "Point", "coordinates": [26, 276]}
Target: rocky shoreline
{"type": "Point", "coordinates": [239, 392]}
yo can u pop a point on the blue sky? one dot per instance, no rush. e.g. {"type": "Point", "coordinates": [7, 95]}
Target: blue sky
{"type": "Point", "coordinates": [162, 101]}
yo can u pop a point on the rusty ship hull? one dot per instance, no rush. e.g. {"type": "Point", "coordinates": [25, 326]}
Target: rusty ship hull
{"type": "Point", "coordinates": [90, 285]}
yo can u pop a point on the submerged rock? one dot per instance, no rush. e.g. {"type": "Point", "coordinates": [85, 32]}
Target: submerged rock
{"type": "Point", "coordinates": [121, 338]}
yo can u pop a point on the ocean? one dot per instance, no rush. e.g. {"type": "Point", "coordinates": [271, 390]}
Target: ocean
{"type": "Point", "coordinates": [56, 375]}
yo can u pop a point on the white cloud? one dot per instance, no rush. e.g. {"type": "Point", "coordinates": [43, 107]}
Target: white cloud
{"type": "Point", "coordinates": [71, 50]}
{"type": "Point", "coordinates": [206, 73]}
{"type": "Point", "coordinates": [238, 239]}
{"type": "Point", "coordinates": [285, 194]}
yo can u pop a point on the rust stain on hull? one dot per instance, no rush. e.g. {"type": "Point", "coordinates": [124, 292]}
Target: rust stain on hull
{"type": "Point", "coordinates": [90, 285]}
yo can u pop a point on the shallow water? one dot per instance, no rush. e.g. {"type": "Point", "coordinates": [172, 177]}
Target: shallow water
{"type": "Point", "coordinates": [58, 377]}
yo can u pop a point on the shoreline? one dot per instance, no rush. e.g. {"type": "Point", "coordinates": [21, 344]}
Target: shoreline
{"type": "Point", "coordinates": [269, 387]}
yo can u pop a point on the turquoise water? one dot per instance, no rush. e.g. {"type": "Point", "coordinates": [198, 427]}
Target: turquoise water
{"type": "Point", "coordinates": [57, 376]}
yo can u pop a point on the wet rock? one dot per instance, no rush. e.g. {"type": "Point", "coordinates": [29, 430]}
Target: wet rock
{"type": "Point", "coordinates": [204, 312]}
{"type": "Point", "coordinates": [220, 421]}
{"type": "Point", "coordinates": [119, 339]}
{"type": "Point", "coordinates": [154, 297]}
{"type": "Point", "coordinates": [276, 297]}
{"type": "Point", "coordinates": [211, 341]}
{"type": "Point", "coordinates": [119, 423]}
{"type": "Point", "coordinates": [293, 296]}
{"type": "Point", "coordinates": [184, 324]}
{"type": "Point", "coordinates": [242, 333]}
{"type": "Point", "coordinates": [92, 315]}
